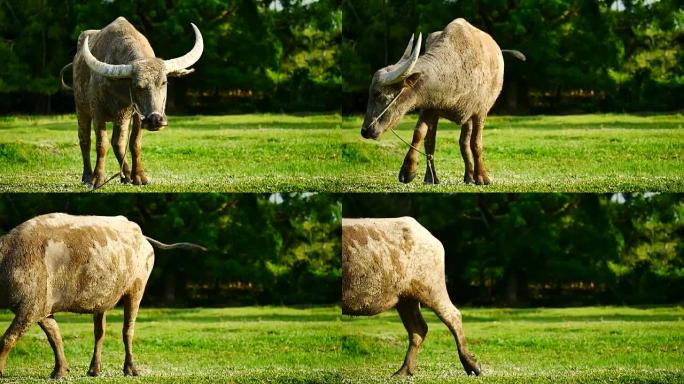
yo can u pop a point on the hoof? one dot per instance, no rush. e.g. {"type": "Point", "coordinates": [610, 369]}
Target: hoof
{"type": "Point", "coordinates": [471, 366]}
{"type": "Point", "coordinates": [126, 179]}
{"type": "Point", "coordinates": [130, 370]}
{"type": "Point", "coordinates": [93, 372]}
{"type": "Point", "coordinates": [407, 178]}
{"type": "Point", "coordinates": [468, 178]}
{"type": "Point", "coordinates": [97, 181]}
{"type": "Point", "coordinates": [474, 370]}
{"type": "Point", "coordinates": [86, 178]}
{"type": "Point", "coordinates": [482, 180]}
{"type": "Point", "coordinates": [59, 373]}
{"type": "Point", "coordinates": [140, 179]}
{"type": "Point", "coordinates": [406, 174]}
{"type": "Point", "coordinates": [403, 372]}
{"type": "Point", "coordinates": [428, 179]}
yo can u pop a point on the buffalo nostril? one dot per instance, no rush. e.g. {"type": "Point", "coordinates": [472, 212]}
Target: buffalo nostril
{"type": "Point", "coordinates": [155, 120]}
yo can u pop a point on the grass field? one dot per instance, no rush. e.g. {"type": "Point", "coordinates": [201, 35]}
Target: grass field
{"type": "Point", "coordinates": [282, 153]}
{"type": "Point", "coordinates": [276, 344]}
{"type": "Point", "coordinates": [246, 345]}
{"type": "Point", "coordinates": [588, 153]}
{"type": "Point", "coordinates": [579, 345]}
{"type": "Point", "coordinates": [247, 153]}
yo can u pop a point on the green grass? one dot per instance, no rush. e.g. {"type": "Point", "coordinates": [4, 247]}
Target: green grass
{"type": "Point", "coordinates": [245, 345]}
{"type": "Point", "coordinates": [277, 344]}
{"type": "Point", "coordinates": [283, 153]}
{"type": "Point", "coordinates": [589, 153]}
{"type": "Point", "coordinates": [577, 345]}
{"type": "Point", "coordinates": [247, 153]}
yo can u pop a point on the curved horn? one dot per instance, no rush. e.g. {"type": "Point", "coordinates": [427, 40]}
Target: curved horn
{"type": "Point", "coordinates": [407, 51]}
{"type": "Point", "coordinates": [116, 71]}
{"type": "Point", "coordinates": [189, 58]}
{"type": "Point", "coordinates": [403, 67]}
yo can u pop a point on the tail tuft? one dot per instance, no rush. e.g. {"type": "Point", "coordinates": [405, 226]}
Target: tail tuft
{"type": "Point", "coordinates": [185, 246]}
{"type": "Point", "coordinates": [64, 85]}
{"type": "Point", "coordinates": [517, 54]}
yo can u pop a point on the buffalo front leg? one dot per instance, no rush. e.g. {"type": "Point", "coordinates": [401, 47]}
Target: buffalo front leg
{"type": "Point", "coordinates": [131, 305]}
{"type": "Point", "coordinates": [17, 328]}
{"type": "Point", "coordinates": [100, 324]}
{"type": "Point", "coordinates": [138, 173]}
{"type": "Point", "coordinates": [410, 165]}
{"type": "Point", "coordinates": [430, 142]}
{"type": "Point", "coordinates": [119, 137]}
{"type": "Point", "coordinates": [480, 172]}
{"type": "Point", "coordinates": [409, 311]}
{"type": "Point", "coordinates": [466, 153]}
{"type": "Point", "coordinates": [451, 316]}
{"type": "Point", "coordinates": [84, 123]}
{"type": "Point", "coordinates": [101, 147]}
{"type": "Point", "coordinates": [51, 329]}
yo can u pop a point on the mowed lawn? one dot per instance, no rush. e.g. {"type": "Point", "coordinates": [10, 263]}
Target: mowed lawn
{"type": "Point", "coordinates": [319, 345]}
{"type": "Point", "coordinates": [244, 153]}
{"type": "Point", "coordinates": [233, 345]}
{"type": "Point", "coordinates": [284, 153]}
{"type": "Point", "coordinates": [576, 345]}
{"type": "Point", "coordinates": [589, 153]}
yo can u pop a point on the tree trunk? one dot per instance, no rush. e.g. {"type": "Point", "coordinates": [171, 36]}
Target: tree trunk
{"type": "Point", "coordinates": [511, 288]}
{"type": "Point", "coordinates": [516, 289]}
{"type": "Point", "coordinates": [170, 289]}
{"type": "Point", "coordinates": [512, 97]}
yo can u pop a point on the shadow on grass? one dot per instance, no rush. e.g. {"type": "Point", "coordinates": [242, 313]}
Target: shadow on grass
{"type": "Point", "coordinates": [199, 125]}
{"type": "Point", "coordinates": [535, 315]}
{"type": "Point", "coordinates": [200, 315]}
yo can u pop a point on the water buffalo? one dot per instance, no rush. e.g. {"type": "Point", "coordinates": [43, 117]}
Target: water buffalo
{"type": "Point", "coordinates": [397, 263]}
{"type": "Point", "coordinates": [84, 264]}
{"type": "Point", "coordinates": [118, 77]}
{"type": "Point", "coordinates": [459, 78]}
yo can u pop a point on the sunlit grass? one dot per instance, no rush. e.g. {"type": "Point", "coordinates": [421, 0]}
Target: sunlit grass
{"type": "Point", "coordinates": [283, 153]}
{"type": "Point", "coordinates": [319, 345]}
{"type": "Point", "coordinates": [575, 345]}
{"type": "Point", "coordinates": [251, 153]}
{"type": "Point", "coordinates": [591, 153]}
{"type": "Point", "coordinates": [252, 344]}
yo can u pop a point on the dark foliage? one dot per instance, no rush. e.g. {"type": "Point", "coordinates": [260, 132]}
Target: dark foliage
{"type": "Point", "coordinates": [549, 249]}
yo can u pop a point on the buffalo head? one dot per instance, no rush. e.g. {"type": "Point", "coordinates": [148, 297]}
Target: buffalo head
{"type": "Point", "coordinates": [148, 78]}
{"type": "Point", "coordinates": [386, 105]}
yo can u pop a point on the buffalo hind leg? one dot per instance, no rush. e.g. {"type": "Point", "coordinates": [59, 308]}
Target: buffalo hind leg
{"type": "Point", "coordinates": [480, 172]}
{"type": "Point", "coordinates": [138, 173]}
{"type": "Point", "coordinates": [409, 167]}
{"type": "Point", "coordinates": [16, 330]}
{"type": "Point", "coordinates": [131, 303]}
{"type": "Point", "coordinates": [409, 311]}
{"type": "Point", "coordinates": [451, 316]}
{"type": "Point", "coordinates": [100, 325]}
{"type": "Point", "coordinates": [466, 153]}
{"type": "Point", "coordinates": [84, 126]}
{"type": "Point", "coordinates": [430, 141]}
{"type": "Point", "coordinates": [51, 329]}
{"type": "Point", "coordinates": [119, 138]}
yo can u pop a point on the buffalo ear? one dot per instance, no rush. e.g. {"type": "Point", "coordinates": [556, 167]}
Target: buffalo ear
{"type": "Point", "coordinates": [180, 72]}
{"type": "Point", "coordinates": [411, 79]}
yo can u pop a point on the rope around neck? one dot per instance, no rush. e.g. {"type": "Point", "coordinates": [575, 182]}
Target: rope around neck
{"type": "Point", "coordinates": [136, 111]}
{"type": "Point", "coordinates": [429, 158]}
